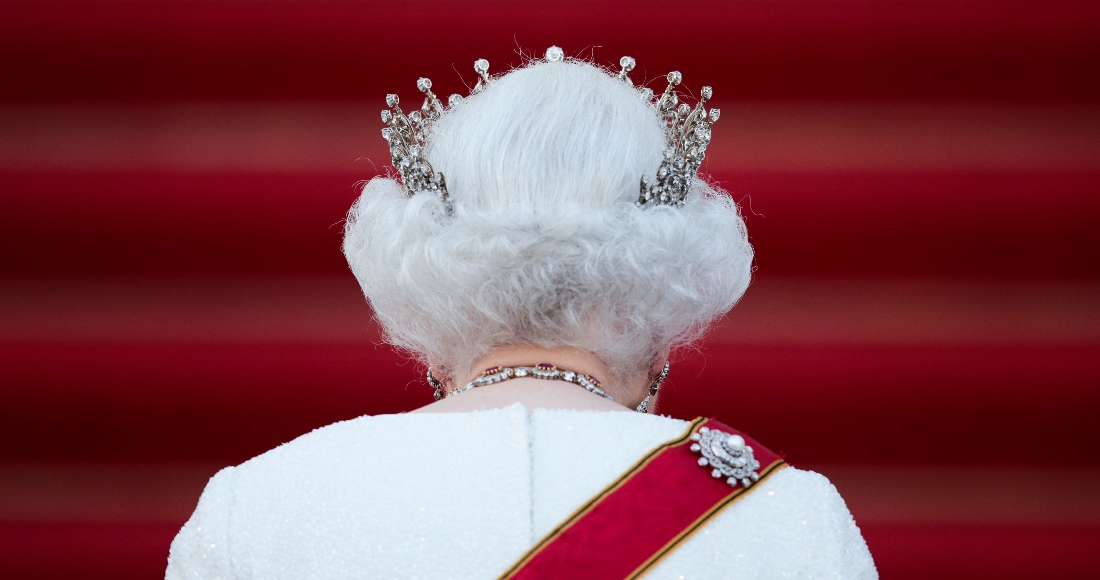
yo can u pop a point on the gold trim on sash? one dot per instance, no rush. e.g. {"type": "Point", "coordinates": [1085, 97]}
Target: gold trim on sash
{"type": "Point", "coordinates": [690, 531]}
{"type": "Point", "coordinates": [599, 497]}
{"type": "Point", "coordinates": [672, 544]}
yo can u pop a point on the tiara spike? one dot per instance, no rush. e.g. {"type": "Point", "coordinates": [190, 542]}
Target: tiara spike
{"type": "Point", "coordinates": [481, 67]}
{"type": "Point", "coordinates": [668, 99]}
{"type": "Point", "coordinates": [627, 63]}
{"type": "Point", "coordinates": [705, 94]}
{"type": "Point", "coordinates": [432, 108]}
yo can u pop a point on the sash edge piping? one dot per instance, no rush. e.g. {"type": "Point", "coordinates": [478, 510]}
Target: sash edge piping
{"type": "Point", "coordinates": [691, 530]}
{"type": "Point", "coordinates": [599, 497]}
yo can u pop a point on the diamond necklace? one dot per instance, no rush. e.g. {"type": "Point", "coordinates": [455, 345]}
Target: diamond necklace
{"type": "Point", "coordinates": [544, 371]}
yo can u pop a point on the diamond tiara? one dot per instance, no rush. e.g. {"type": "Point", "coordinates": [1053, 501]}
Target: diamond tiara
{"type": "Point", "coordinates": [687, 134]}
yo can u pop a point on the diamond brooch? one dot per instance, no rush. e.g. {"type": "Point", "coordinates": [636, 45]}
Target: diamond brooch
{"type": "Point", "coordinates": [687, 134]}
{"type": "Point", "coordinates": [727, 456]}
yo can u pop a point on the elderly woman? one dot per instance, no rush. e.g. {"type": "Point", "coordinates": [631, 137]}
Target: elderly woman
{"type": "Point", "coordinates": [519, 259]}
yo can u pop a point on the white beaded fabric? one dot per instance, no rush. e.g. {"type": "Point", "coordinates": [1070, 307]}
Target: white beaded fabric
{"type": "Point", "coordinates": [463, 495]}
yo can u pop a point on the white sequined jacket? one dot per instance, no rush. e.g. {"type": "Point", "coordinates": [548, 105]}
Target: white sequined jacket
{"type": "Point", "coordinates": [463, 495]}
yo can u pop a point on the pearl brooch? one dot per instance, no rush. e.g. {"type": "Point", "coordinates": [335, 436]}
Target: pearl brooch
{"type": "Point", "coordinates": [727, 455]}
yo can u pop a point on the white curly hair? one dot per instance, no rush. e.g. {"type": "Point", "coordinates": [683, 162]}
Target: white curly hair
{"type": "Point", "coordinates": [546, 245]}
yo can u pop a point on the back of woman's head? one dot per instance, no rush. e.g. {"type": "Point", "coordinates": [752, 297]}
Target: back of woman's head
{"type": "Point", "coordinates": [546, 245]}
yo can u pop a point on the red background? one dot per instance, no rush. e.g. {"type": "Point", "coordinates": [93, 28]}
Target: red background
{"type": "Point", "coordinates": [921, 181]}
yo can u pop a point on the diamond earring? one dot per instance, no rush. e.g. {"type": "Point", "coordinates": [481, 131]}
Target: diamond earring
{"type": "Point", "coordinates": [653, 387]}
{"type": "Point", "coordinates": [435, 384]}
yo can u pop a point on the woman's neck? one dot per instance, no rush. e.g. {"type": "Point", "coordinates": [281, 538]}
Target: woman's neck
{"type": "Point", "coordinates": [530, 392]}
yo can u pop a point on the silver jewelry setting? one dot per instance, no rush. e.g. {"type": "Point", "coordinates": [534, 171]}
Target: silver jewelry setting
{"type": "Point", "coordinates": [437, 385]}
{"type": "Point", "coordinates": [687, 134]}
{"type": "Point", "coordinates": [407, 136]}
{"type": "Point", "coordinates": [727, 456]}
{"type": "Point", "coordinates": [643, 407]}
{"type": "Point", "coordinates": [545, 371]}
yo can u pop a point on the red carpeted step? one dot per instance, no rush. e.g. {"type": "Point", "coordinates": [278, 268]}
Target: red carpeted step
{"type": "Point", "coordinates": [819, 223]}
{"type": "Point", "coordinates": [848, 49]}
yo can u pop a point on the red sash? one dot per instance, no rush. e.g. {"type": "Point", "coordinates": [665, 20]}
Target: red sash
{"type": "Point", "coordinates": [645, 514]}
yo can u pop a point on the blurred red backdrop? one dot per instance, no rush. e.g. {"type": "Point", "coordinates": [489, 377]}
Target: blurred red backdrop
{"type": "Point", "coordinates": [921, 181]}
